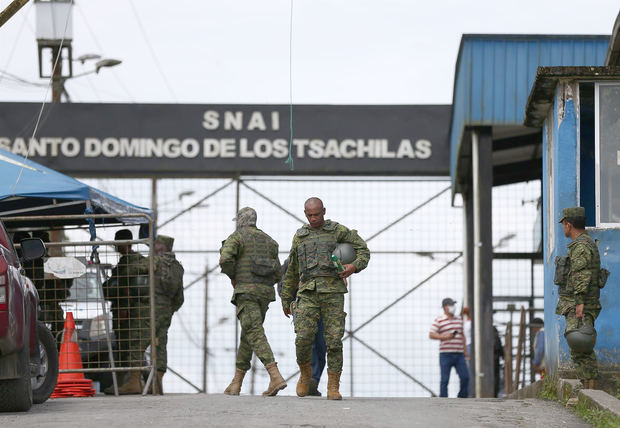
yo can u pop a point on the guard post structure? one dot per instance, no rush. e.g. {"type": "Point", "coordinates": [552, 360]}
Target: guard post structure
{"type": "Point", "coordinates": [576, 107]}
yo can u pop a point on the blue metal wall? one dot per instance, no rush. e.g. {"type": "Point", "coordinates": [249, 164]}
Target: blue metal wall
{"type": "Point", "coordinates": [494, 75]}
{"type": "Point", "coordinates": [565, 160]}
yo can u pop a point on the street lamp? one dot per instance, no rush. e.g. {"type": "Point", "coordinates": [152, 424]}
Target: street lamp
{"type": "Point", "coordinates": [87, 57]}
{"type": "Point", "coordinates": [58, 84]}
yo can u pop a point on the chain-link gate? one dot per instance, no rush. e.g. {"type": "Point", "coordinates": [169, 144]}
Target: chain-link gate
{"type": "Point", "coordinates": [415, 237]}
{"type": "Point", "coordinates": [108, 287]}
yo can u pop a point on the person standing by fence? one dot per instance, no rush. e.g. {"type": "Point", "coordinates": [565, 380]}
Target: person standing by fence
{"type": "Point", "coordinates": [448, 329]}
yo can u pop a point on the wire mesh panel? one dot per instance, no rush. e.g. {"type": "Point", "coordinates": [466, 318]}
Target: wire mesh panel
{"type": "Point", "coordinates": [416, 240]}
{"type": "Point", "coordinates": [107, 288]}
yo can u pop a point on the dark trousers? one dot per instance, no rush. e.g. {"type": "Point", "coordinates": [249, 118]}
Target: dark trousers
{"type": "Point", "coordinates": [319, 349]}
{"type": "Point", "coordinates": [447, 360]}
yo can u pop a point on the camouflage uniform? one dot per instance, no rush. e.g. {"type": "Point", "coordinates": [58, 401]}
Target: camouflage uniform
{"type": "Point", "coordinates": [168, 298]}
{"type": "Point", "coordinates": [313, 278]}
{"type": "Point", "coordinates": [581, 287]}
{"type": "Point", "coordinates": [250, 258]}
{"type": "Point", "coordinates": [128, 289]}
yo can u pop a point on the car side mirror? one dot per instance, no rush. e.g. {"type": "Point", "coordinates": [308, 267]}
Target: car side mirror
{"type": "Point", "coordinates": [32, 248]}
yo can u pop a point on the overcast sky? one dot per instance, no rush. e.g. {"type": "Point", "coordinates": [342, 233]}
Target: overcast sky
{"type": "Point", "coordinates": [237, 51]}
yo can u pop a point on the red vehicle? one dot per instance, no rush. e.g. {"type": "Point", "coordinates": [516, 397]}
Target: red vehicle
{"type": "Point", "coordinates": [28, 353]}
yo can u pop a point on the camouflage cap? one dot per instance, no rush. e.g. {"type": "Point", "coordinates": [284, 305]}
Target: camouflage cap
{"type": "Point", "coordinates": [246, 217]}
{"type": "Point", "coordinates": [167, 241]}
{"type": "Point", "coordinates": [573, 212]}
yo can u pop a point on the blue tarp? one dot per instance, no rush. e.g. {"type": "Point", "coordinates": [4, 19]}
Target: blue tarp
{"type": "Point", "coordinates": [29, 188]}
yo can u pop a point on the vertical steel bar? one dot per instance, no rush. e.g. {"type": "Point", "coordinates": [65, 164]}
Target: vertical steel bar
{"type": "Point", "coordinates": [154, 198]}
{"type": "Point", "coordinates": [152, 307]}
{"type": "Point", "coordinates": [106, 318]}
{"type": "Point", "coordinates": [482, 179]}
{"type": "Point", "coordinates": [350, 280]}
{"type": "Point", "coordinates": [205, 334]}
{"type": "Point", "coordinates": [237, 196]}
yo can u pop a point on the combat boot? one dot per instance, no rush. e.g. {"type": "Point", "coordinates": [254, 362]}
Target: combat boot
{"type": "Point", "coordinates": [158, 383]}
{"type": "Point", "coordinates": [276, 382]}
{"type": "Point", "coordinates": [313, 390]}
{"type": "Point", "coordinates": [133, 384]}
{"type": "Point", "coordinates": [333, 385]}
{"type": "Point", "coordinates": [235, 385]}
{"type": "Point", "coordinates": [303, 384]}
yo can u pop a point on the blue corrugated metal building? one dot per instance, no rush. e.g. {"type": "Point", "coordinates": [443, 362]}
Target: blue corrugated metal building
{"type": "Point", "coordinates": [491, 146]}
{"type": "Point", "coordinates": [494, 74]}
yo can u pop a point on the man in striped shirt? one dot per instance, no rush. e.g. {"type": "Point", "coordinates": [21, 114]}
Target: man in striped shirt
{"type": "Point", "coordinates": [448, 329]}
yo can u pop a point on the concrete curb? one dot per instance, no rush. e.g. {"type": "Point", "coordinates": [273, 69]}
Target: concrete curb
{"type": "Point", "coordinates": [571, 388]}
{"type": "Point", "coordinates": [567, 388]}
{"type": "Point", "coordinates": [530, 391]}
{"type": "Point", "coordinates": [601, 400]}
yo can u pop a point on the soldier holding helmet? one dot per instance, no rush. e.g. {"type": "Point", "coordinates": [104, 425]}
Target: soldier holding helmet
{"type": "Point", "coordinates": [580, 278]}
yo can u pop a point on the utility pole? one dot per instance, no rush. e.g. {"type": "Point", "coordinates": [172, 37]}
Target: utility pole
{"type": "Point", "coordinates": [11, 10]}
{"type": "Point", "coordinates": [57, 81]}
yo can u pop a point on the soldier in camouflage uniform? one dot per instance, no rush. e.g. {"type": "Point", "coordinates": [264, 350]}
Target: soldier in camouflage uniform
{"type": "Point", "coordinates": [168, 299]}
{"type": "Point", "coordinates": [579, 296]}
{"type": "Point", "coordinates": [320, 288]}
{"type": "Point", "coordinates": [250, 259]}
{"type": "Point", "coordinates": [128, 289]}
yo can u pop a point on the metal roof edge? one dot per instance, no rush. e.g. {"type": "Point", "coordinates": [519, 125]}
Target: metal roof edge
{"type": "Point", "coordinates": [543, 89]}
{"type": "Point", "coordinates": [500, 36]}
{"type": "Point", "coordinates": [613, 50]}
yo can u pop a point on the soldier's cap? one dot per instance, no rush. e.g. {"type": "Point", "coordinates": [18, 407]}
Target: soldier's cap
{"type": "Point", "coordinates": [123, 235]}
{"type": "Point", "coordinates": [167, 241]}
{"type": "Point", "coordinates": [245, 214]}
{"type": "Point", "coordinates": [573, 213]}
{"type": "Point", "coordinates": [447, 301]}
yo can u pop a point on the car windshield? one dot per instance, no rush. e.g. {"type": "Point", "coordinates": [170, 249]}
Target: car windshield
{"type": "Point", "coordinates": [85, 288]}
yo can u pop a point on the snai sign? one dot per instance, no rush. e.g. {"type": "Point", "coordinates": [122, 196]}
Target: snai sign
{"type": "Point", "coordinates": [183, 140]}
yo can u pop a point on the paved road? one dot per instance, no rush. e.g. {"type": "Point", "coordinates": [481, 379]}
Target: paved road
{"type": "Point", "coordinates": [178, 410]}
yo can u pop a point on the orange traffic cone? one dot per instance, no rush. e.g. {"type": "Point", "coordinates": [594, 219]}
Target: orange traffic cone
{"type": "Point", "coordinates": [69, 358]}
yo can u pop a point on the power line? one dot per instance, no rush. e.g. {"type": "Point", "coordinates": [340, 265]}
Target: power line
{"type": "Point", "coordinates": [152, 51]}
{"type": "Point", "coordinates": [49, 85]}
{"type": "Point", "coordinates": [96, 40]}
{"type": "Point", "coordinates": [10, 76]}
{"type": "Point", "coordinates": [19, 32]}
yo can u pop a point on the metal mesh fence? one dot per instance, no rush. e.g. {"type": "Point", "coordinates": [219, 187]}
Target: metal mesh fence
{"type": "Point", "coordinates": [415, 238]}
{"type": "Point", "coordinates": [107, 289]}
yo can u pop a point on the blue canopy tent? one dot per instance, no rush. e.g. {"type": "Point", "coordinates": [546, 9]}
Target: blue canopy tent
{"type": "Point", "coordinates": [31, 189]}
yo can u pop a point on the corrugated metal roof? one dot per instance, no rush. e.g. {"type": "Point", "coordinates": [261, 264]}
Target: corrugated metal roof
{"type": "Point", "coordinates": [494, 75]}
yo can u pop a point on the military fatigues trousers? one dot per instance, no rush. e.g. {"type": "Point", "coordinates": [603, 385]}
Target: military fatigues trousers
{"type": "Point", "coordinates": [251, 312]}
{"type": "Point", "coordinates": [163, 318]}
{"type": "Point", "coordinates": [310, 308]}
{"type": "Point", "coordinates": [585, 364]}
{"type": "Point", "coordinates": [139, 334]}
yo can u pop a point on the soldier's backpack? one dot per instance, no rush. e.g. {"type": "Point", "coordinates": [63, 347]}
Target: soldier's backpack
{"type": "Point", "coordinates": [170, 274]}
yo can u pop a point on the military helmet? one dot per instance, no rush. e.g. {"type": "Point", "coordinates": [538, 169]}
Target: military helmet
{"type": "Point", "coordinates": [581, 340]}
{"type": "Point", "coordinates": [345, 252]}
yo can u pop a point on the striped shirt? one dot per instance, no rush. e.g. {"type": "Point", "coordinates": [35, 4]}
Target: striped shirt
{"type": "Point", "coordinates": [443, 324]}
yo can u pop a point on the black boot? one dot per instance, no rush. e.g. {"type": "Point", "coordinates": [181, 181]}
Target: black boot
{"type": "Point", "coordinates": [313, 390]}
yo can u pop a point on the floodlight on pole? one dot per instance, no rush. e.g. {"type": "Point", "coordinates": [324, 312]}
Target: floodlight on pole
{"type": "Point", "coordinates": [108, 62]}
{"type": "Point", "coordinates": [104, 63]}
{"type": "Point", "coordinates": [87, 57]}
